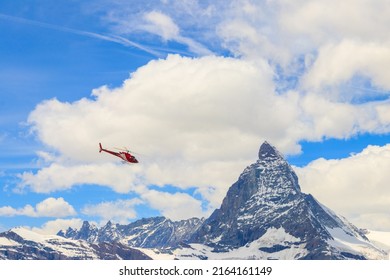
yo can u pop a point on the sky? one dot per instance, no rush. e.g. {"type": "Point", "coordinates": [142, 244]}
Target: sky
{"type": "Point", "coordinates": [192, 88]}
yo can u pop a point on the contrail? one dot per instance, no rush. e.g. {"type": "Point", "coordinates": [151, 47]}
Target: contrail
{"type": "Point", "coordinates": [371, 89]}
{"type": "Point", "coordinates": [110, 38]}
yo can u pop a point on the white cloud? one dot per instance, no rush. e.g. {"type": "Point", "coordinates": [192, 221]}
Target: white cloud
{"type": "Point", "coordinates": [58, 177]}
{"type": "Point", "coordinates": [356, 187]}
{"type": "Point", "coordinates": [120, 211]}
{"type": "Point", "coordinates": [54, 226]}
{"type": "Point", "coordinates": [374, 220]}
{"type": "Point", "coordinates": [349, 37]}
{"type": "Point", "coordinates": [177, 206]}
{"type": "Point", "coordinates": [162, 25]}
{"type": "Point", "coordinates": [250, 40]}
{"type": "Point", "coordinates": [281, 30]}
{"type": "Point", "coordinates": [216, 177]}
{"type": "Point", "coordinates": [199, 114]}
{"type": "Point", "coordinates": [337, 63]}
{"type": "Point", "coordinates": [322, 22]}
{"type": "Point", "coordinates": [323, 118]}
{"type": "Point", "coordinates": [50, 207]}
{"type": "Point", "coordinates": [27, 210]}
{"type": "Point", "coordinates": [172, 22]}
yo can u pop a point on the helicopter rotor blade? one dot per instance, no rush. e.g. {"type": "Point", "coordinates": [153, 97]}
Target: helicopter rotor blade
{"type": "Point", "coordinates": [121, 149]}
{"type": "Point", "coordinates": [125, 149]}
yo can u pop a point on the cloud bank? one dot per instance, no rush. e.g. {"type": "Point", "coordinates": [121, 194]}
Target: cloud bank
{"type": "Point", "coordinates": [357, 186]}
{"type": "Point", "coordinates": [54, 226]}
{"type": "Point", "coordinates": [120, 211]}
{"type": "Point", "coordinates": [50, 207]}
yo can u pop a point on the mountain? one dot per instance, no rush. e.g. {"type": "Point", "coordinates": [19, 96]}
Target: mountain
{"type": "Point", "coordinates": [23, 244]}
{"type": "Point", "coordinates": [265, 208]}
{"type": "Point", "coordinates": [264, 215]}
{"type": "Point", "coordinates": [156, 232]}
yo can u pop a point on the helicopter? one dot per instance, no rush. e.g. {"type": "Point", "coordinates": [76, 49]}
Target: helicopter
{"type": "Point", "coordinates": [125, 155]}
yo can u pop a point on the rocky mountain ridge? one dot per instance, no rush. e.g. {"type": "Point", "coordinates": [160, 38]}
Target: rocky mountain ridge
{"type": "Point", "coordinates": [156, 232]}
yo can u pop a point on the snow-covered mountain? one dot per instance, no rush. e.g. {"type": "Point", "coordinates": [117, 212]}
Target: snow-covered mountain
{"type": "Point", "coordinates": [266, 212]}
{"type": "Point", "coordinates": [23, 244]}
{"type": "Point", "coordinates": [263, 216]}
{"type": "Point", "coordinates": [157, 232]}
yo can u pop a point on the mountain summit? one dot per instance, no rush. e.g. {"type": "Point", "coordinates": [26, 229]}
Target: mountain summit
{"type": "Point", "coordinates": [266, 207]}
{"type": "Point", "coordinates": [268, 151]}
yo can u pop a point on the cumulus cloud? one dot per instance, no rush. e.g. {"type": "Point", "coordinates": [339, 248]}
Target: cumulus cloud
{"type": "Point", "coordinates": [337, 63]}
{"type": "Point", "coordinates": [120, 211]}
{"type": "Point", "coordinates": [356, 187]}
{"type": "Point", "coordinates": [321, 22]}
{"type": "Point", "coordinates": [324, 118]}
{"type": "Point", "coordinates": [50, 207]}
{"type": "Point", "coordinates": [208, 112]}
{"type": "Point", "coordinates": [54, 226]}
{"type": "Point", "coordinates": [59, 177]}
{"type": "Point", "coordinates": [177, 206]}
{"type": "Point", "coordinates": [281, 30]}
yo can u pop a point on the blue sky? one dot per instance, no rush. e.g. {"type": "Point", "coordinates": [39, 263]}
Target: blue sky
{"type": "Point", "coordinates": [194, 88]}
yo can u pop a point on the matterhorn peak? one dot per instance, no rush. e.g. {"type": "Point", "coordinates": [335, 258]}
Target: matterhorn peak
{"type": "Point", "coordinates": [266, 210]}
{"type": "Point", "coordinates": [268, 151]}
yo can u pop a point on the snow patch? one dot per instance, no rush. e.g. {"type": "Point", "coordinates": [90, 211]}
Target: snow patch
{"type": "Point", "coordinates": [276, 236]}
{"type": "Point", "coordinates": [7, 242]}
{"type": "Point", "coordinates": [67, 247]}
{"type": "Point", "coordinates": [276, 243]}
{"type": "Point", "coordinates": [155, 254]}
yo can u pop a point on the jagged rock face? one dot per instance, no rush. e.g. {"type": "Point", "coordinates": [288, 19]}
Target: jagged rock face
{"type": "Point", "coordinates": [267, 195]}
{"type": "Point", "coordinates": [156, 232]}
{"type": "Point", "coordinates": [87, 232]}
{"type": "Point", "coordinates": [160, 232]}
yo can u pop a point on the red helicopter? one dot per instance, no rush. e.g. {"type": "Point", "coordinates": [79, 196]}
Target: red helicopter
{"type": "Point", "coordinates": [124, 155]}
